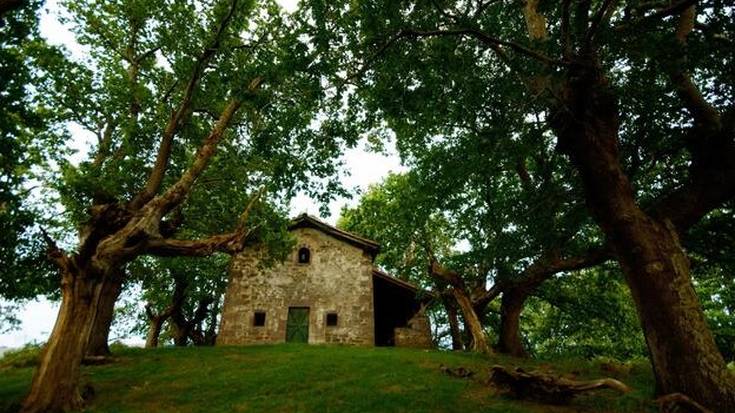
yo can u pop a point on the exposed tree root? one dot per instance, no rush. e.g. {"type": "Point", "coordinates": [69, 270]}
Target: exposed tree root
{"type": "Point", "coordinates": [547, 388]}
{"type": "Point", "coordinates": [679, 403]}
{"type": "Point", "coordinates": [459, 372]}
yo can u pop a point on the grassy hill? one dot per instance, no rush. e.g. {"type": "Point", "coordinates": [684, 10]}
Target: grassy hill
{"type": "Point", "coordinates": [300, 378]}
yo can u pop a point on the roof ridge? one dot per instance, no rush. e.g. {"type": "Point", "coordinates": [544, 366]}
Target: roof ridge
{"type": "Point", "coordinates": [313, 221]}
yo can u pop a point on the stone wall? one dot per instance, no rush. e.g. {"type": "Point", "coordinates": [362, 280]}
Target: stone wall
{"type": "Point", "coordinates": [337, 280]}
{"type": "Point", "coordinates": [417, 333]}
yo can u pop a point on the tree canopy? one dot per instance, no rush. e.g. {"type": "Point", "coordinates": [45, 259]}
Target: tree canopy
{"type": "Point", "coordinates": [570, 183]}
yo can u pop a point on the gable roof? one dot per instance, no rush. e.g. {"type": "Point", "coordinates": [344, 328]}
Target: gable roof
{"type": "Point", "coordinates": [308, 221]}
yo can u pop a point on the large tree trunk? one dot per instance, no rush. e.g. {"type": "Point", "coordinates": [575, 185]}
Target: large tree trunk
{"type": "Point", "coordinates": [472, 321]}
{"type": "Point", "coordinates": [683, 352]}
{"type": "Point", "coordinates": [511, 306]}
{"type": "Point", "coordinates": [459, 291]}
{"type": "Point", "coordinates": [55, 383]}
{"type": "Point", "coordinates": [453, 320]}
{"type": "Point", "coordinates": [99, 337]}
{"type": "Point", "coordinates": [179, 331]}
{"type": "Point", "coordinates": [155, 325]}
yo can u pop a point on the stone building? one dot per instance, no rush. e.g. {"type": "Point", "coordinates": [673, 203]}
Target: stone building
{"type": "Point", "coordinates": [327, 291]}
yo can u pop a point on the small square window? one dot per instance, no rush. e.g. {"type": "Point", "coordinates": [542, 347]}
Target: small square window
{"type": "Point", "coordinates": [332, 320]}
{"type": "Point", "coordinates": [259, 319]}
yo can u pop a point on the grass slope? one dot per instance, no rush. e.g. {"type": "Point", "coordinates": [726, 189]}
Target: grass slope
{"type": "Point", "coordinates": [300, 378]}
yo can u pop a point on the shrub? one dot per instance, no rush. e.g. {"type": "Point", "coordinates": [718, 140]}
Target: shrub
{"type": "Point", "coordinates": [27, 356]}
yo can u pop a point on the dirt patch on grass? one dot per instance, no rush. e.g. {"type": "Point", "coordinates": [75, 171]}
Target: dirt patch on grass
{"type": "Point", "coordinates": [394, 389]}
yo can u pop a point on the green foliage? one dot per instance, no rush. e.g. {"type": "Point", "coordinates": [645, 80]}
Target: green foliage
{"type": "Point", "coordinates": [138, 59]}
{"type": "Point", "coordinates": [397, 213]}
{"type": "Point", "coordinates": [582, 314]}
{"type": "Point", "coordinates": [472, 116]}
{"type": "Point", "coordinates": [325, 378]}
{"type": "Point", "coordinates": [24, 357]}
{"type": "Point", "coordinates": [713, 269]}
{"type": "Point", "coordinates": [275, 142]}
{"type": "Point", "coordinates": [26, 145]}
{"type": "Point", "coordinates": [585, 314]}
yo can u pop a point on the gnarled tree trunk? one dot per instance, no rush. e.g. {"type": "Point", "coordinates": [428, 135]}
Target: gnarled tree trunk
{"type": "Point", "coordinates": [511, 306]}
{"type": "Point", "coordinates": [472, 321]}
{"type": "Point", "coordinates": [683, 352]}
{"type": "Point", "coordinates": [155, 324]}
{"type": "Point", "coordinates": [459, 292]}
{"type": "Point", "coordinates": [179, 330]}
{"type": "Point", "coordinates": [453, 320]}
{"type": "Point", "coordinates": [99, 336]}
{"type": "Point", "coordinates": [183, 330]}
{"type": "Point", "coordinates": [55, 383]}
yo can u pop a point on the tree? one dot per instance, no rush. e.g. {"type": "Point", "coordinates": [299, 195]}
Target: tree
{"type": "Point", "coordinates": [170, 90]}
{"type": "Point", "coordinates": [440, 203]}
{"type": "Point", "coordinates": [26, 142]}
{"type": "Point", "coordinates": [187, 294]}
{"type": "Point", "coordinates": [582, 66]}
{"type": "Point", "coordinates": [393, 214]}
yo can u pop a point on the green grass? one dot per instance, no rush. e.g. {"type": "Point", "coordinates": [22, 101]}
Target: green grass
{"type": "Point", "coordinates": [301, 378]}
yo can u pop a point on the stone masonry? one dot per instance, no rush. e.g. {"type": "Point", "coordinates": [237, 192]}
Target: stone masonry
{"type": "Point", "coordinates": [415, 334]}
{"type": "Point", "coordinates": [338, 279]}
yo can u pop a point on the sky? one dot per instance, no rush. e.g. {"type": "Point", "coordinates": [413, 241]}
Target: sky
{"type": "Point", "coordinates": [362, 167]}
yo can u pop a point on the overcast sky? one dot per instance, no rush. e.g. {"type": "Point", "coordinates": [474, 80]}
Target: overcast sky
{"type": "Point", "coordinates": [364, 168]}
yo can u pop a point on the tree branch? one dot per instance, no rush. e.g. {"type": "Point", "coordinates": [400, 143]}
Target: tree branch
{"type": "Point", "coordinates": [230, 243]}
{"type": "Point", "coordinates": [494, 44]}
{"type": "Point", "coordinates": [603, 13]}
{"type": "Point", "coordinates": [226, 243]}
{"type": "Point", "coordinates": [702, 111]}
{"type": "Point", "coordinates": [178, 191]}
{"type": "Point", "coordinates": [673, 9]}
{"type": "Point", "coordinates": [484, 38]}
{"type": "Point", "coordinates": [164, 150]}
{"type": "Point", "coordinates": [710, 142]}
{"type": "Point", "coordinates": [535, 21]}
{"type": "Point", "coordinates": [482, 6]}
{"type": "Point", "coordinates": [566, 44]}
{"type": "Point", "coordinates": [56, 254]}
{"type": "Point", "coordinates": [103, 149]}
{"type": "Point", "coordinates": [546, 266]}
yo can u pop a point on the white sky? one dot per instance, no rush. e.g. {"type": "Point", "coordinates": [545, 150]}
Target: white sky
{"type": "Point", "coordinates": [364, 168]}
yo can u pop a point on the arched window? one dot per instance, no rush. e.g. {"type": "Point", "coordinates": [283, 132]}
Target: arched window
{"type": "Point", "coordinates": [304, 255]}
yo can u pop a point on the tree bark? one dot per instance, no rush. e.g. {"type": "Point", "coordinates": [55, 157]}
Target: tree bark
{"type": "Point", "coordinates": [511, 306]}
{"type": "Point", "coordinates": [472, 321]}
{"type": "Point", "coordinates": [683, 352]}
{"type": "Point", "coordinates": [459, 291]}
{"type": "Point", "coordinates": [179, 330]}
{"type": "Point", "coordinates": [453, 320]}
{"type": "Point", "coordinates": [99, 337]}
{"type": "Point", "coordinates": [155, 325]}
{"type": "Point", "coordinates": [55, 382]}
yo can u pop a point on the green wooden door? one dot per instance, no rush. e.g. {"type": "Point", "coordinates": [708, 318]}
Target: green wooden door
{"type": "Point", "coordinates": [297, 325]}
